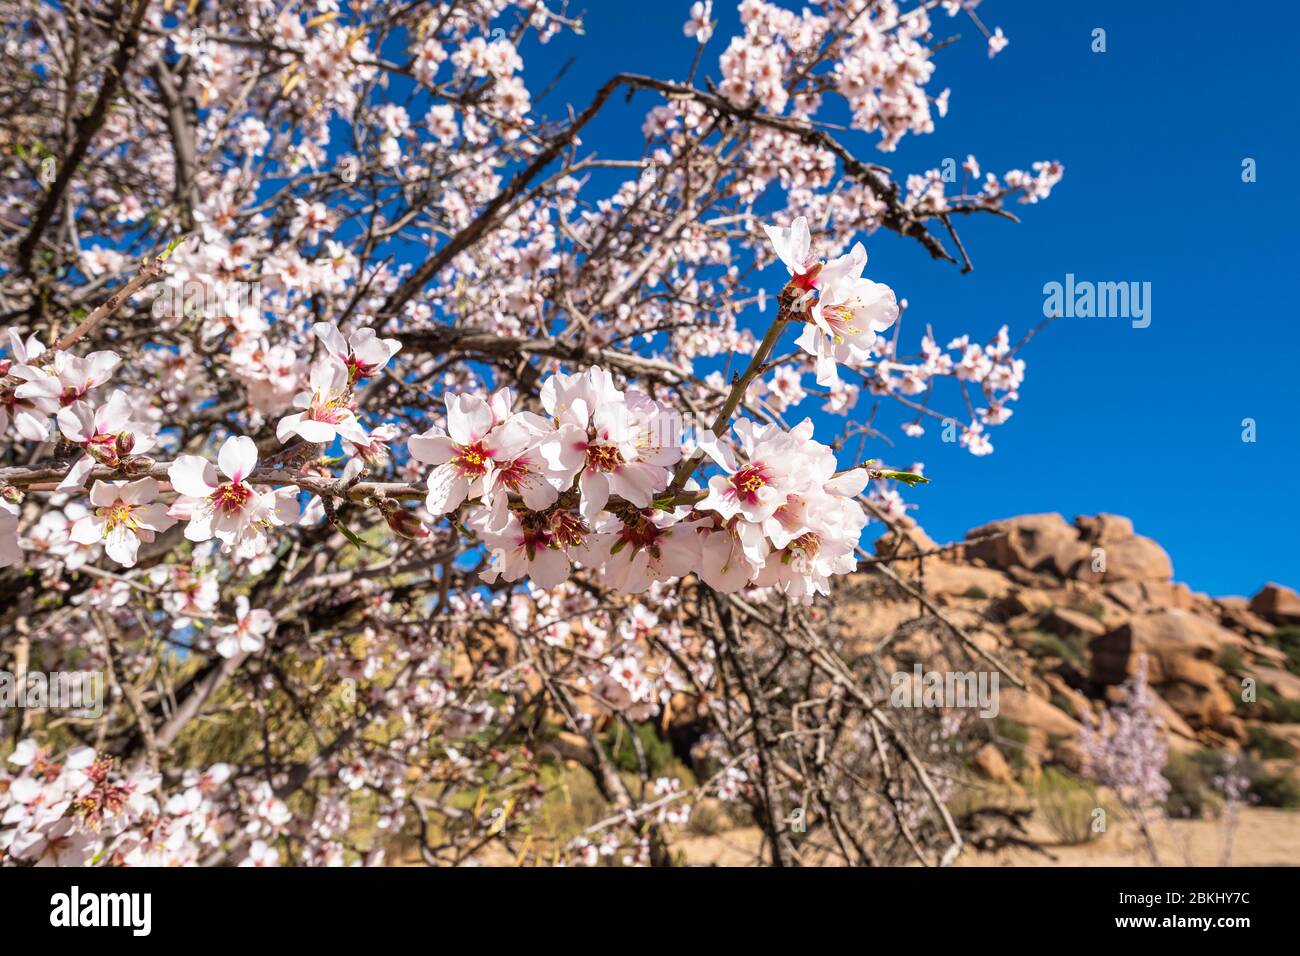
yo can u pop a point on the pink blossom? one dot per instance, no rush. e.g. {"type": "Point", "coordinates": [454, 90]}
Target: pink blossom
{"type": "Point", "coordinates": [328, 409]}
{"type": "Point", "coordinates": [363, 353]}
{"type": "Point", "coordinates": [105, 434]}
{"type": "Point", "coordinates": [125, 514]}
{"type": "Point", "coordinates": [248, 634]}
{"type": "Point", "coordinates": [475, 444]}
{"type": "Point", "coordinates": [228, 510]}
{"type": "Point", "coordinates": [615, 443]}
{"type": "Point", "coordinates": [700, 25]}
{"type": "Point", "coordinates": [69, 379]}
{"type": "Point", "coordinates": [997, 42]}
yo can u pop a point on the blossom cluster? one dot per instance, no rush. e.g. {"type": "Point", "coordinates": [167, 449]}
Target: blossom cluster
{"type": "Point", "coordinates": [362, 386]}
{"type": "Point", "coordinates": [590, 484]}
{"type": "Point", "coordinates": [1127, 751]}
{"type": "Point", "coordinates": [78, 808]}
{"type": "Point", "coordinates": [593, 477]}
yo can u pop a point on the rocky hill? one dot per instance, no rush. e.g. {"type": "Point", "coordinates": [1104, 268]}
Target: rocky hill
{"type": "Point", "coordinates": [1070, 608]}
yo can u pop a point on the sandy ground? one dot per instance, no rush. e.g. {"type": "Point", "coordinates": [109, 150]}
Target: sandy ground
{"type": "Point", "coordinates": [1264, 837]}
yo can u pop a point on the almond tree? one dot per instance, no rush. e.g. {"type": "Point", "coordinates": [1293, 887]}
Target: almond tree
{"type": "Point", "coordinates": [388, 446]}
{"type": "Point", "coordinates": [1127, 753]}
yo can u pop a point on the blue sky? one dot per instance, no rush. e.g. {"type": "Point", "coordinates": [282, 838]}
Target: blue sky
{"type": "Point", "coordinates": [1141, 422]}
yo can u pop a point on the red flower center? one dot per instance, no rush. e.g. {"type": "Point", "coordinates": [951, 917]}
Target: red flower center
{"type": "Point", "coordinates": [640, 532]}
{"type": "Point", "coordinates": [358, 370]}
{"type": "Point", "coordinates": [567, 529]}
{"type": "Point", "coordinates": [471, 460]}
{"type": "Point", "coordinates": [519, 473]}
{"type": "Point", "coordinates": [747, 481]}
{"type": "Point", "coordinates": [808, 281]}
{"type": "Point", "coordinates": [603, 458]}
{"type": "Point", "coordinates": [231, 497]}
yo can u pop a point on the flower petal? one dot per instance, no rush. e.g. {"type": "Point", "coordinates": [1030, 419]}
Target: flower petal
{"type": "Point", "coordinates": [238, 457]}
{"type": "Point", "coordinates": [318, 433]}
{"type": "Point", "coordinates": [138, 492]}
{"type": "Point", "coordinates": [432, 448]}
{"type": "Point", "coordinates": [104, 493]}
{"type": "Point", "coordinates": [88, 530]}
{"type": "Point", "coordinates": [193, 476]}
{"type": "Point", "coordinates": [122, 546]}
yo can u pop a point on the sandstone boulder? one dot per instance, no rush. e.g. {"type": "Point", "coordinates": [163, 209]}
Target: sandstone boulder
{"type": "Point", "coordinates": [1104, 527]}
{"type": "Point", "coordinates": [1272, 656]}
{"type": "Point", "coordinates": [1115, 553]}
{"type": "Point", "coordinates": [1173, 721]}
{"type": "Point", "coordinates": [1035, 713]}
{"type": "Point", "coordinates": [1128, 594]}
{"type": "Point", "coordinates": [1069, 754]}
{"type": "Point", "coordinates": [1284, 683]}
{"type": "Point", "coordinates": [1097, 548]}
{"type": "Point", "coordinates": [1287, 732]}
{"type": "Point", "coordinates": [1236, 613]}
{"type": "Point", "coordinates": [964, 580]}
{"type": "Point", "coordinates": [1135, 559]}
{"type": "Point", "coordinates": [1232, 727]}
{"type": "Point", "coordinates": [991, 765]}
{"type": "Point", "coordinates": [1042, 542]}
{"type": "Point", "coordinates": [1277, 603]}
{"type": "Point", "coordinates": [911, 539]}
{"type": "Point", "coordinates": [864, 623]}
{"type": "Point", "coordinates": [1180, 649]}
{"type": "Point", "coordinates": [1076, 705]}
{"type": "Point", "coordinates": [1194, 689]}
{"type": "Point", "coordinates": [1024, 601]}
{"type": "Point", "coordinates": [1064, 622]}
{"type": "Point", "coordinates": [1204, 707]}
{"type": "Point", "coordinates": [1164, 637]}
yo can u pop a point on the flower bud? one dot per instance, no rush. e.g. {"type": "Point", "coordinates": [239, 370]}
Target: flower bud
{"type": "Point", "coordinates": [375, 455]}
{"type": "Point", "coordinates": [103, 453]}
{"type": "Point", "coordinates": [406, 524]}
{"type": "Point", "coordinates": [137, 465]}
{"type": "Point", "coordinates": [125, 442]}
{"type": "Point", "coordinates": [353, 470]}
{"type": "Point", "coordinates": [11, 494]}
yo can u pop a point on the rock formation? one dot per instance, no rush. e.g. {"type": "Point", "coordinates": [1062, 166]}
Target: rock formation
{"type": "Point", "coordinates": [1070, 608]}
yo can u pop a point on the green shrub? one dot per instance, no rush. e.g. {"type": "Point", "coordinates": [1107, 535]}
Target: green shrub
{"type": "Point", "coordinates": [1275, 791]}
{"type": "Point", "coordinates": [622, 749]}
{"type": "Point", "coordinates": [1068, 648]}
{"type": "Point", "coordinates": [1189, 779]}
{"type": "Point", "coordinates": [572, 803]}
{"type": "Point", "coordinates": [1287, 639]}
{"type": "Point", "coordinates": [709, 818]}
{"type": "Point", "coordinates": [1191, 784]}
{"type": "Point", "coordinates": [1063, 704]}
{"type": "Point", "coordinates": [1280, 709]}
{"type": "Point", "coordinates": [1267, 745]}
{"type": "Point", "coordinates": [1067, 806]}
{"type": "Point", "coordinates": [1230, 660]}
{"type": "Point", "coordinates": [1012, 739]}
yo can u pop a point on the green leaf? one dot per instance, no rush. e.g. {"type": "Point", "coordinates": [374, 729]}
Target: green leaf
{"type": "Point", "coordinates": [172, 246]}
{"type": "Point", "coordinates": [347, 533]}
{"type": "Point", "coordinates": [911, 479]}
